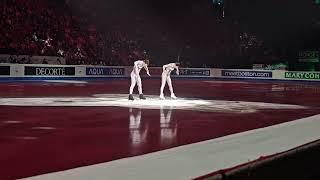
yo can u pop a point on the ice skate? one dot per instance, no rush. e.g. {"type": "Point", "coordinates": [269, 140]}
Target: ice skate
{"type": "Point", "coordinates": [130, 97]}
{"type": "Point", "coordinates": [173, 96]}
{"type": "Point", "coordinates": [162, 97]}
{"type": "Point", "coordinates": [141, 96]}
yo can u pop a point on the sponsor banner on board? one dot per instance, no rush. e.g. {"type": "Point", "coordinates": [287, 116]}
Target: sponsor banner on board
{"type": "Point", "coordinates": [302, 75]}
{"type": "Point", "coordinates": [156, 71]}
{"type": "Point", "coordinates": [240, 73]}
{"type": "Point", "coordinates": [49, 71]}
{"type": "Point", "coordinates": [105, 71]}
{"type": "Point", "coordinates": [193, 72]}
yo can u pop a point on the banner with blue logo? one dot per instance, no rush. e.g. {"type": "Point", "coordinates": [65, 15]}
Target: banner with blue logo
{"type": "Point", "coordinates": [105, 71]}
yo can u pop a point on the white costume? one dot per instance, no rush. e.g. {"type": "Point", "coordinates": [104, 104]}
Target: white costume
{"type": "Point", "coordinates": [165, 78]}
{"type": "Point", "coordinates": [135, 77]}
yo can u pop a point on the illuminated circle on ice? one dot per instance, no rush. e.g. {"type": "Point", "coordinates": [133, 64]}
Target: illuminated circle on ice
{"type": "Point", "coordinates": [152, 102]}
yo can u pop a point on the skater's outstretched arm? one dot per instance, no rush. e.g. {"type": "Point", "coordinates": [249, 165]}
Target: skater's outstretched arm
{"type": "Point", "coordinates": [146, 68]}
{"type": "Point", "coordinates": [177, 69]}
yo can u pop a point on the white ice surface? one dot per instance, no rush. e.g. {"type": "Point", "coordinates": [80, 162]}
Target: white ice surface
{"type": "Point", "coordinates": [194, 160]}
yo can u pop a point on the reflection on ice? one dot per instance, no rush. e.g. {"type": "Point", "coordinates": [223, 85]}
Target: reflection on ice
{"type": "Point", "coordinates": [138, 133]}
{"type": "Point", "coordinates": [168, 127]}
{"type": "Point", "coordinates": [139, 127]}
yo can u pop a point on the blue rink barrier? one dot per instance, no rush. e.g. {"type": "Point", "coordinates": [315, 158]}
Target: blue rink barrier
{"type": "Point", "coordinates": [46, 72]}
{"type": "Point", "coordinates": [101, 79]}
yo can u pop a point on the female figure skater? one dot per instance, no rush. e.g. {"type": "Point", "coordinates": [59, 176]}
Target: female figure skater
{"type": "Point", "coordinates": [165, 78]}
{"type": "Point", "coordinates": [135, 77]}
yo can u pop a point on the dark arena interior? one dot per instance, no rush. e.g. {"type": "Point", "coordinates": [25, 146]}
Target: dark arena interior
{"type": "Point", "coordinates": [150, 89]}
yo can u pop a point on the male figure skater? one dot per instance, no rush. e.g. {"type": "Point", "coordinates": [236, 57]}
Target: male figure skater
{"type": "Point", "coordinates": [135, 77]}
{"type": "Point", "coordinates": [165, 78]}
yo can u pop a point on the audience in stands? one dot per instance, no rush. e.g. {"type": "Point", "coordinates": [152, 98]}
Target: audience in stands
{"type": "Point", "coordinates": [47, 28]}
